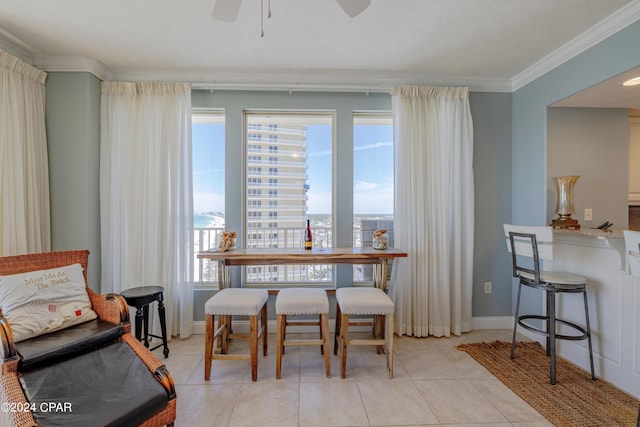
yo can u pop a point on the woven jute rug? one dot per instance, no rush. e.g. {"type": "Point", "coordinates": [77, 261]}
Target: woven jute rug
{"type": "Point", "coordinates": [575, 400]}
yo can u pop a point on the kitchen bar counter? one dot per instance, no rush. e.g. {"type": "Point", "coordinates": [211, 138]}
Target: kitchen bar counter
{"type": "Point", "coordinates": [614, 304]}
{"type": "Point", "coordinates": [590, 232]}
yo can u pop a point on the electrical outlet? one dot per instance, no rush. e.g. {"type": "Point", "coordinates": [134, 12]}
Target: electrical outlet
{"type": "Point", "coordinates": [588, 214]}
{"type": "Point", "coordinates": [487, 287]}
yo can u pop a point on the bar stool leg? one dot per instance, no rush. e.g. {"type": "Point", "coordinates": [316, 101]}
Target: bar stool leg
{"type": "Point", "coordinates": [389, 343]}
{"type": "Point", "coordinates": [280, 321]}
{"type": "Point", "coordinates": [265, 321]}
{"type": "Point", "coordinates": [552, 335]}
{"type": "Point", "coordinates": [550, 325]}
{"type": "Point", "coordinates": [515, 323]}
{"type": "Point", "coordinates": [586, 313]}
{"type": "Point", "coordinates": [224, 321]}
{"type": "Point", "coordinates": [321, 334]}
{"type": "Point", "coordinates": [344, 338]}
{"type": "Point", "coordinates": [324, 328]}
{"type": "Point", "coordinates": [220, 336]}
{"type": "Point", "coordinates": [208, 346]}
{"type": "Point", "coordinates": [145, 320]}
{"type": "Point", "coordinates": [253, 343]}
{"type": "Point", "coordinates": [139, 317]}
{"type": "Point", "coordinates": [163, 328]}
{"type": "Point", "coordinates": [379, 330]}
{"type": "Point", "coordinates": [336, 335]}
{"type": "Point", "coordinates": [284, 332]}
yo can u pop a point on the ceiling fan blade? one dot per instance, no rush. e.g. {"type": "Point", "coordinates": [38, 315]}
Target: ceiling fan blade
{"type": "Point", "coordinates": [353, 7]}
{"type": "Point", "coordinates": [226, 10]}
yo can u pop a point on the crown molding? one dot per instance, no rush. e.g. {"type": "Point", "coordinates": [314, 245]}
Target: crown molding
{"type": "Point", "coordinates": [72, 63]}
{"type": "Point", "coordinates": [594, 35]}
{"type": "Point", "coordinates": [16, 47]}
{"type": "Point", "coordinates": [48, 63]}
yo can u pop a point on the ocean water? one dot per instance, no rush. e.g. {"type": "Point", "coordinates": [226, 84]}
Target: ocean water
{"type": "Point", "coordinates": [204, 221]}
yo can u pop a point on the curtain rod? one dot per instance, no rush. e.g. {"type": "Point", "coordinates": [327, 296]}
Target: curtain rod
{"type": "Point", "coordinates": [290, 87]}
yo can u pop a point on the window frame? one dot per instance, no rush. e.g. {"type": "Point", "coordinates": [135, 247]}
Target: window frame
{"type": "Point", "coordinates": [385, 116]}
{"type": "Point", "coordinates": [271, 153]}
{"type": "Point", "coordinates": [200, 265]}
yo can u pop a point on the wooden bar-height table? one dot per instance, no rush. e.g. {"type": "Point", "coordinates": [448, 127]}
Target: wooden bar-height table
{"type": "Point", "coordinates": [270, 256]}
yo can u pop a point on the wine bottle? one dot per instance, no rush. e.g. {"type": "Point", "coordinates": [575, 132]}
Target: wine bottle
{"type": "Point", "coordinates": [308, 239]}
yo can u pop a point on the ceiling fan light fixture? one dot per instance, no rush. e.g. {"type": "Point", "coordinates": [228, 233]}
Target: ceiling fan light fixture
{"type": "Point", "coordinates": [226, 10]}
{"type": "Point", "coordinates": [632, 82]}
{"type": "Point", "coordinates": [353, 7]}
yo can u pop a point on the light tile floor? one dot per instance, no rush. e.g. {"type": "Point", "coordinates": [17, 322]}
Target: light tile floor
{"type": "Point", "coordinates": [433, 384]}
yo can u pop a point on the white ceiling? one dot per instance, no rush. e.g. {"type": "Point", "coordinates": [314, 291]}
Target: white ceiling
{"type": "Point", "coordinates": [485, 44]}
{"type": "Point", "coordinates": [607, 94]}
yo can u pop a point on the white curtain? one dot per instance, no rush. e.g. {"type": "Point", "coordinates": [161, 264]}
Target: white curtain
{"type": "Point", "coordinates": [145, 194]}
{"type": "Point", "coordinates": [24, 172]}
{"type": "Point", "coordinates": [434, 208]}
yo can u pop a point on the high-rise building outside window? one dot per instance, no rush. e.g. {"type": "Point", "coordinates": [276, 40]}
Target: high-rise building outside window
{"type": "Point", "coordinates": [289, 159]}
{"type": "Point", "coordinates": [373, 182]}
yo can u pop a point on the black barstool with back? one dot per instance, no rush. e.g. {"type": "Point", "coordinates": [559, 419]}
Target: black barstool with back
{"type": "Point", "coordinates": [526, 242]}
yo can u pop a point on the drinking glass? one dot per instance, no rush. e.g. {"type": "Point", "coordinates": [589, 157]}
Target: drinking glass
{"type": "Point", "coordinates": [321, 234]}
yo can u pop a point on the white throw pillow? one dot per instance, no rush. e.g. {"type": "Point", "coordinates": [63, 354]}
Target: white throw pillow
{"type": "Point", "coordinates": [39, 302]}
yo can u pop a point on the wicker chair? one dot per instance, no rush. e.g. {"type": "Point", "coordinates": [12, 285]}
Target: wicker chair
{"type": "Point", "coordinates": [112, 311]}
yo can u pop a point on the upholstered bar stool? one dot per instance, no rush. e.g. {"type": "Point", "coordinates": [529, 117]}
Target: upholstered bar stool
{"type": "Point", "coordinates": [533, 244]}
{"type": "Point", "coordinates": [363, 301]}
{"type": "Point", "coordinates": [235, 302]}
{"type": "Point", "coordinates": [294, 301]}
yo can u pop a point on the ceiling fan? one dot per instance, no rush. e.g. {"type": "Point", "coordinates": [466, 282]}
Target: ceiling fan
{"type": "Point", "coordinates": [227, 10]}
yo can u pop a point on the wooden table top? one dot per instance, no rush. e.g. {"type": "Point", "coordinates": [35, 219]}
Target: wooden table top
{"type": "Point", "coordinates": [263, 256]}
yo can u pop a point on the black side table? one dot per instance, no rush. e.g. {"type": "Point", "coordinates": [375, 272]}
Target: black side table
{"type": "Point", "coordinates": [140, 298]}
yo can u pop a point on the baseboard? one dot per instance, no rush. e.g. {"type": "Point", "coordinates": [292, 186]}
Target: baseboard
{"type": "Point", "coordinates": [242, 326]}
{"type": "Point", "coordinates": [492, 322]}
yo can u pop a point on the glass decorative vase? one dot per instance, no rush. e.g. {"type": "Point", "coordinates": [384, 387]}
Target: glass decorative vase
{"type": "Point", "coordinates": [380, 239]}
{"type": "Point", "coordinates": [564, 202]}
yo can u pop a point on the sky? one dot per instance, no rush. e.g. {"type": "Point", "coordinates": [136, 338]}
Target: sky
{"type": "Point", "coordinates": [208, 167]}
{"type": "Point", "coordinates": [373, 168]}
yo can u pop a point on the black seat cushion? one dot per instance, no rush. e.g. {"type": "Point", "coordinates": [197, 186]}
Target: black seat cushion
{"type": "Point", "coordinates": [55, 346]}
{"type": "Point", "coordinates": [110, 386]}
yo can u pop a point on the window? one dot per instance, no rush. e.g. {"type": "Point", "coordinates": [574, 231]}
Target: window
{"type": "Point", "coordinates": [299, 187]}
{"type": "Point", "coordinates": [372, 182]}
{"type": "Point", "coordinates": [208, 140]}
